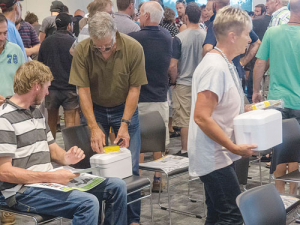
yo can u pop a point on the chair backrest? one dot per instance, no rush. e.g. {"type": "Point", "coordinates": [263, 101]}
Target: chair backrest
{"type": "Point", "coordinates": [79, 136]}
{"type": "Point", "coordinates": [289, 149]}
{"type": "Point", "coordinates": [262, 206]}
{"type": "Point", "coordinates": [153, 132]}
{"type": "Point", "coordinates": [241, 169]}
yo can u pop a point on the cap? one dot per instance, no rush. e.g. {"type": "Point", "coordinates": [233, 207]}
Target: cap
{"type": "Point", "coordinates": [5, 4]}
{"type": "Point", "coordinates": [57, 6]}
{"type": "Point", "coordinates": [63, 20]}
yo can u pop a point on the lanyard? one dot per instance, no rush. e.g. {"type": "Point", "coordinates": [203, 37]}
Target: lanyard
{"type": "Point", "coordinates": [236, 80]}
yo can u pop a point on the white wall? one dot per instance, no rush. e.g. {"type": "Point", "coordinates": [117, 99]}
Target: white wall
{"type": "Point", "coordinates": [42, 7]}
{"type": "Point", "coordinates": [256, 2]}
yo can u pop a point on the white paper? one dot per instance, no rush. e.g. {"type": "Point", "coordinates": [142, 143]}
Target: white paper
{"type": "Point", "coordinates": [168, 163]}
{"type": "Point", "coordinates": [83, 182]}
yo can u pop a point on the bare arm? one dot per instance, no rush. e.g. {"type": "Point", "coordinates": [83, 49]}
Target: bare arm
{"type": "Point", "coordinates": [2, 99]}
{"type": "Point", "coordinates": [173, 71]}
{"type": "Point", "coordinates": [11, 174]}
{"type": "Point", "coordinates": [72, 49]}
{"type": "Point", "coordinates": [258, 72]}
{"type": "Point", "coordinates": [250, 53]}
{"type": "Point", "coordinates": [97, 136]}
{"type": "Point", "coordinates": [60, 156]}
{"type": "Point", "coordinates": [42, 36]}
{"type": "Point", "coordinates": [33, 50]}
{"type": "Point", "coordinates": [130, 107]}
{"type": "Point", "coordinates": [207, 48]}
{"type": "Point", "coordinates": [205, 105]}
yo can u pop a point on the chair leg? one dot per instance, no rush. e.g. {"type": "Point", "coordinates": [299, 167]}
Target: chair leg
{"type": "Point", "coordinates": [151, 204]}
{"type": "Point", "coordinates": [260, 175]}
{"type": "Point", "coordinates": [169, 199]}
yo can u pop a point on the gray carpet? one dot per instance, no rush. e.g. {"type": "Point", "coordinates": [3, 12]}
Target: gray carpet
{"type": "Point", "coordinates": [179, 195]}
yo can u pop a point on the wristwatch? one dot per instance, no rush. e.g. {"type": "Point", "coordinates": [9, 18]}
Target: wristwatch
{"type": "Point", "coordinates": [126, 121]}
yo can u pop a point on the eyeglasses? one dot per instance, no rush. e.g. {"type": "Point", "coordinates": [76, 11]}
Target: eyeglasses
{"type": "Point", "coordinates": [105, 48]}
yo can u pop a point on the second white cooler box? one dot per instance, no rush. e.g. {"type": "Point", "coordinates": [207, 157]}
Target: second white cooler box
{"type": "Point", "coordinates": [113, 164]}
{"type": "Point", "coordinates": [260, 127]}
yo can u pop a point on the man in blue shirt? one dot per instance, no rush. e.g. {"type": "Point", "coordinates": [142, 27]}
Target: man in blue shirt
{"type": "Point", "coordinates": [12, 11]}
{"type": "Point", "coordinates": [210, 42]}
{"type": "Point", "coordinates": [11, 57]}
{"type": "Point", "coordinates": [157, 45]}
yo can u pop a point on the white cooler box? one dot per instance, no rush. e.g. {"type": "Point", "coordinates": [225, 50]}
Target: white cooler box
{"type": "Point", "coordinates": [113, 164]}
{"type": "Point", "coordinates": [260, 127]}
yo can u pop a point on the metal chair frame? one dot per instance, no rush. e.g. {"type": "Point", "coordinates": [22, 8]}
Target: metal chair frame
{"type": "Point", "coordinates": [24, 214]}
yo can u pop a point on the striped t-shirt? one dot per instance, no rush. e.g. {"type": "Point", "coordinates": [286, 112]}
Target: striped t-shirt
{"type": "Point", "coordinates": [25, 137]}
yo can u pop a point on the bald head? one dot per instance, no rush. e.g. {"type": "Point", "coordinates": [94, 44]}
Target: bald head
{"type": "Point", "coordinates": [295, 6]}
{"type": "Point", "coordinates": [79, 12]}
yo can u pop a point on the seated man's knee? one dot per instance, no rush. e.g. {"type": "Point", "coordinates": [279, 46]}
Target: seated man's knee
{"type": "Point", "coordinates": [91, 203]}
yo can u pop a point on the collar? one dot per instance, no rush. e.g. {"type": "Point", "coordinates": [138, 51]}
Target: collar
{"type": "Point", "coordinates": [150, 28]}
{"type": "Point", "coordinates": [122, 14]}
{"type": "Point", "coordinates": [7, 100]}
{"type": "Point", "coordinates": [64, 32]}
{"type": "Point", "coordinates": [119, 42]}
{"type": "Point", "coordinates": [279, 11]}
{"type": "Point", "coordinates": [4, 47]}
{"type": "Point", "coordinates": [212, 18]}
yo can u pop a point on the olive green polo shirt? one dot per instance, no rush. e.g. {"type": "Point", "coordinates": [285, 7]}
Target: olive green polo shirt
{"type": "Point", "coordinates": [109, 80]}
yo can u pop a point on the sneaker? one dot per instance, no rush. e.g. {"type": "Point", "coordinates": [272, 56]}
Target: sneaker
{"type": "Point", "coordinates": [8, 218]}
{"type": "Point", "coordinates": [156, 186]}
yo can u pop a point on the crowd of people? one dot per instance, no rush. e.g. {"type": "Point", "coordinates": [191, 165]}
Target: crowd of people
{"type": "Point", "coordinates": [199, 70]}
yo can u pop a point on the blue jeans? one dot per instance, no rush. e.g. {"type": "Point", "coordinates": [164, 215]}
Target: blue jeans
{"type": "Point", "coordinates": [221, 189]}
{"type": "Point", "coordinates": [82, 207]}
{"type": "Point", "coordinates": [111, 117]}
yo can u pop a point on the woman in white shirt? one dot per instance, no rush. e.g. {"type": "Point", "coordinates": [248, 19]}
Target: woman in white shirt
{"type": "Point", "coordinates": [217, 97]}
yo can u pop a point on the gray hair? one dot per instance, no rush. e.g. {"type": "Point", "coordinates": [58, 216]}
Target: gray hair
{"type": "Point", "coordinates": [283, 2]}
{"type": "Point", "coordinates": [155, 10]}
{"type": "Point", "coordinates": [102, 25]}
{"type": "Point", "coordinates": [230, 19]}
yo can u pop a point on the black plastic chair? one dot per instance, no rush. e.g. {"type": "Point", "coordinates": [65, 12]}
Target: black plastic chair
{"type": "Point", "coordinates": [33, 218]}
{"type": "Point", "coordinates": [153, 136]}
{"type": "Point", "coordinates": [80, 136]}
{"type": "Point", "coordinates": [289, 150]}
{"type": "Point", "coordinates": [241, 169]}
{"type": "Point", "coordinates": [262, 206]}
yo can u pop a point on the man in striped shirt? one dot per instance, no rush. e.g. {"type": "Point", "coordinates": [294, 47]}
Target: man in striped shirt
{"type": "Point", "coordinates": [27, 148]}
{"type": "Point", "coordinates": [279, 12]}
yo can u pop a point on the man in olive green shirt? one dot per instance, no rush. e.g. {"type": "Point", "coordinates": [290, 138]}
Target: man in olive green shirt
{"type": "Point", "coordinates": [109, 69]}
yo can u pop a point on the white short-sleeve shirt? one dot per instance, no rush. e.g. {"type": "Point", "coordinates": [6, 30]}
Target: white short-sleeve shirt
{"type": "Point", "coordinates": [206, 155]}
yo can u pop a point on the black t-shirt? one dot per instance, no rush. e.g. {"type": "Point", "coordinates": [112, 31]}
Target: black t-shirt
{"type": "Point", "coordinates": [54, 52]}
{"type": "Point", "coordinates": [211, 39]}
{"type": "Point", "coordinates": [157, 45]}
{"type": "Point", "coordinates": [76, 20]}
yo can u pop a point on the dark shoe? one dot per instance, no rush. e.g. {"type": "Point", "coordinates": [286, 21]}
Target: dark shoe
{"type": "Point", "coordinates": [182, 154]}
{"type": "Point", "coordinates": [174, 134]}
{"type": "Point", "coordinates": [265, 159]}
{"type": "Point", "coordinates": [58, 128]}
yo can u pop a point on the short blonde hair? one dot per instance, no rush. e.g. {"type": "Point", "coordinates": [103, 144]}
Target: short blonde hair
{"type": "Point", "coordinates": [230, 19]}
{"type": "Point", "coordinates": [30, 73]}
{"type": "Point", "coordinates": [98, 6]}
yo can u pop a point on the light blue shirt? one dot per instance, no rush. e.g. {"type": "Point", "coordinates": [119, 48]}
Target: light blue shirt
{"type": "Point", "coordinates": [10, 59]}
{"type": "Point", "coordinates": [14, 36]}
